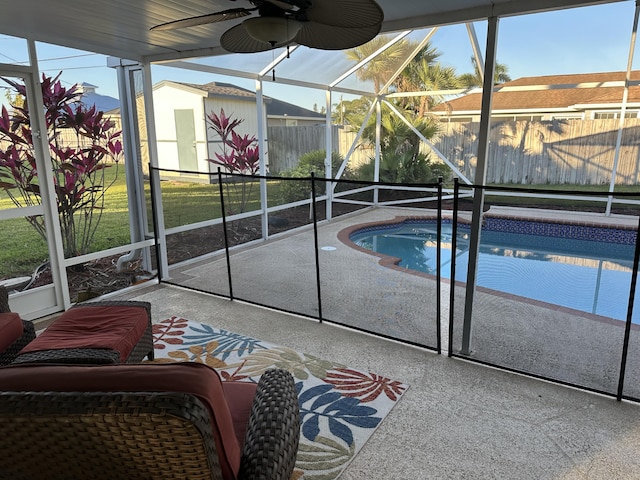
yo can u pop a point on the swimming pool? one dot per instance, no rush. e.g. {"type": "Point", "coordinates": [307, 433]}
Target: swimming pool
{"type": "Point", "coordinates": [565, 265]}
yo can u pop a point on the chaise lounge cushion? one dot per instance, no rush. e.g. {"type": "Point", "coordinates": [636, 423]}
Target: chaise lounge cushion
{"type": "Point", "coordinates": [11, 329]}
{"type": "Point", "coordinates": [84, 327]}
{"type": "Point", "coordinates": [228, 403]}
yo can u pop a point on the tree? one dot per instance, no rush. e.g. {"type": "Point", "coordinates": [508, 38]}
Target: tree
{"type": "Point", "coordinates": [82, 143]}
{"type": "Point", "coordinates": [380, 68]}
{"type": "Point", "coordinates": [351, 112]}
{"type": "Point", "coordinates": [423, 75]}
{"type": "Point", "coordinates": [13, 98]}
{"type": "Point", "coordinates": [401, 159]}
{"type": "Point", "coordinates": [470, 80]}
{"type": "Point", "coordinates": [239, 154]}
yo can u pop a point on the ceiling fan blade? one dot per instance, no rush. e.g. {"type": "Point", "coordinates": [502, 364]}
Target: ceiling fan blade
{"type": "Point", "coordinates": [329, 37]}
{"type": "Point", "coordinates": [205, 19]}
{"type": "Point", "coordinates": [237, 40]}
{"type": "Point", "coordinates": [345, 13]}
{"type": "Point", "coordinates": [291, 4]}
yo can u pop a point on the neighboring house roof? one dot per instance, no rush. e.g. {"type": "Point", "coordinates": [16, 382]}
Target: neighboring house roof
{"type": "Point", "coordinates": [102, 102]}
{"type": "Point", "coordinates": [561, 94]}
{"type": "Point", "coordinates": [280, 108]}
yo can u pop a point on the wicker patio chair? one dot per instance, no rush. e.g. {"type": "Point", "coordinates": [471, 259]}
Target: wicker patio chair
{"type": "Point", "coordinates": [8, 354]}
{"type": "Point", "coordinates": [195, 429]}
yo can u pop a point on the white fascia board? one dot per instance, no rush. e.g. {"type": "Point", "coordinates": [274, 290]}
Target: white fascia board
{"type": "Point", "coordinates": [510, 111]}
{"type": "Point", "coordinates": [292, 117]}
{"type": "Point", "coordinates": [607, 106]}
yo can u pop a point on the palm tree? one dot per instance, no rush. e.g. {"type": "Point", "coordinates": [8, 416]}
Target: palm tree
{"type": "Point", "coordinates": [424, 75]}
{"type": "Point", "coordinates": [401, 158]}
{"type": "Point", "coordinates": [380, 68]}
{"type": "Point", "coordinates": [469, 80]}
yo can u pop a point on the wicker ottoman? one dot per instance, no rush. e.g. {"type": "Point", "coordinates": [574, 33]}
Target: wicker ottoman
{"type": "Point", "coordinates": [96, 333]}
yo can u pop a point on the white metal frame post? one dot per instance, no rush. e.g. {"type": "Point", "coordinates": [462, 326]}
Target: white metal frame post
{"type": "Point", "coordinates": [480, 176]}
{"type": "Point", "coordinates": [262, 145]}
{"type": "Point", "coordinates": [328, 164]}
{"type": "Point", "coordinates": [376, 170]}
{"type": "Point", "coordinates": [131, 144]}
{"type": "Point", "coordinates": [154, 175]}
{"type": "Point", "coordinates": [623, 109]}
{"type": "Point", "coordinates": [51, 219]}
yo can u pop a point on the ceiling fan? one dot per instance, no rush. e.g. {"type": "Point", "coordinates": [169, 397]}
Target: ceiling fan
{"type": "Point", "coordinates": [322, 24]}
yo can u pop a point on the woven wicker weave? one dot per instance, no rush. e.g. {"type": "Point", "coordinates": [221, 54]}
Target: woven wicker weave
{"type": "Point", "coordinates": [273, 432]}
{"type": "Point", "coordinates": [4, 300]}
{"type": "Point", "coordinates": [96, 356]}
{"type": "Point", "coordinates": [28, 332]}
{"type": "Point", "coordinates": [135, 436]}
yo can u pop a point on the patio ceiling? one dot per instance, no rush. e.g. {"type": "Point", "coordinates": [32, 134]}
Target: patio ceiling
{"type": "Point", "coordinates": [121, 27]}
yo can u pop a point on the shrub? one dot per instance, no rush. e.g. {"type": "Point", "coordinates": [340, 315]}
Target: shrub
{"type": "Point", "coordinates": [240, 154]}
{"type": "Point", "coordinates": [81, 143]}
{"type": "Point", "coordinates": [293, 191]}
{"type": "Point", "coordinates": [406, 167]}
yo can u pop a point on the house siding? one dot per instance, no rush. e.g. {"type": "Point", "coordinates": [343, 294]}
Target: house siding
{"type": "Point", "coordinates": [167, 99]}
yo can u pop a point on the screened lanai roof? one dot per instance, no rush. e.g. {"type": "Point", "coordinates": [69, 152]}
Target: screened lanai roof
{"type": "Point", "coordinates": [121, 28]}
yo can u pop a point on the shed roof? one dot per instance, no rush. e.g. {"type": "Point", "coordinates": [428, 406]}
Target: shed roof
{"type": "Point", "coordinates": [220, 89]}
{"type": "Point", "coordinates": [275, 107]}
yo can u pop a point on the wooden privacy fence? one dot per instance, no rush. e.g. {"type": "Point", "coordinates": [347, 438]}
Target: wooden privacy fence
{"type": "Point", "coordinates": [577, 152]}
{"type": "Point", "coordinates": [287, 144]}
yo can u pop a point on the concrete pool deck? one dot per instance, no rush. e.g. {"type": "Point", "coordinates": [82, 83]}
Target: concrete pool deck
{"type": "Point", "coordinates": [458, 420]}
{"type": "Point", "coordinates": [359, 292]}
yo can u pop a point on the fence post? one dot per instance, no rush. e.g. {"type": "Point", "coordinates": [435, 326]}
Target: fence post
{"type": "Point", "coordinates": [226, 236]}
{"type": "Point", "coordinates": [454, 245]}
{"type": "Point", "coordinates": [154, 219]}
{"type": "Point", "coordinates": [315, 243]}
{"type": "Point", "coordinates": [627, 327]}
{"type": "Point", "coordinates": [439, 268]}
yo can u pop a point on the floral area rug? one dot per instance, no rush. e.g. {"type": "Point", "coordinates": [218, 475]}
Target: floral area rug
{"type": "Point", "coordinates": [340, 407]}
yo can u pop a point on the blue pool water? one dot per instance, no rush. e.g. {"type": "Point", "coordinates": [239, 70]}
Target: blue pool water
{"type": "Point", "coordinates": [585, 274]}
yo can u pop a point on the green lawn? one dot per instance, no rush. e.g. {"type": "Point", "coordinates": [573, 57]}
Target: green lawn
{"type": "Point", "coordinates": [184, 203]}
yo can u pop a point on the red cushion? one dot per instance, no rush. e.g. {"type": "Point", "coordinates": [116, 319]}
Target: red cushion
{"type": "Point", "coordinates": [112, 327]}
{"type": "Point", "coordinates": [193, 378]}
{"type": "Point", "coordinates": [10, 329]}
{"type": "Point", "coordinates": [239, 397]}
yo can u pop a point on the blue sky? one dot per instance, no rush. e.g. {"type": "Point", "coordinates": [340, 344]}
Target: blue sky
{"type": "Point", "coordinates": [579, 40]}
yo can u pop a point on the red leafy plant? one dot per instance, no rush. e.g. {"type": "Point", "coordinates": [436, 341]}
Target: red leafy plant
{"type": "Point", "coordinates": [82, 144]}
{"type": "Point", "coordinates": [239, 154]}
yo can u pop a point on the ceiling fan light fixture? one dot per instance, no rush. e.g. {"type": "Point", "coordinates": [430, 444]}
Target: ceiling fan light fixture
{"type": "Point", "coordinates": [272, 30]}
